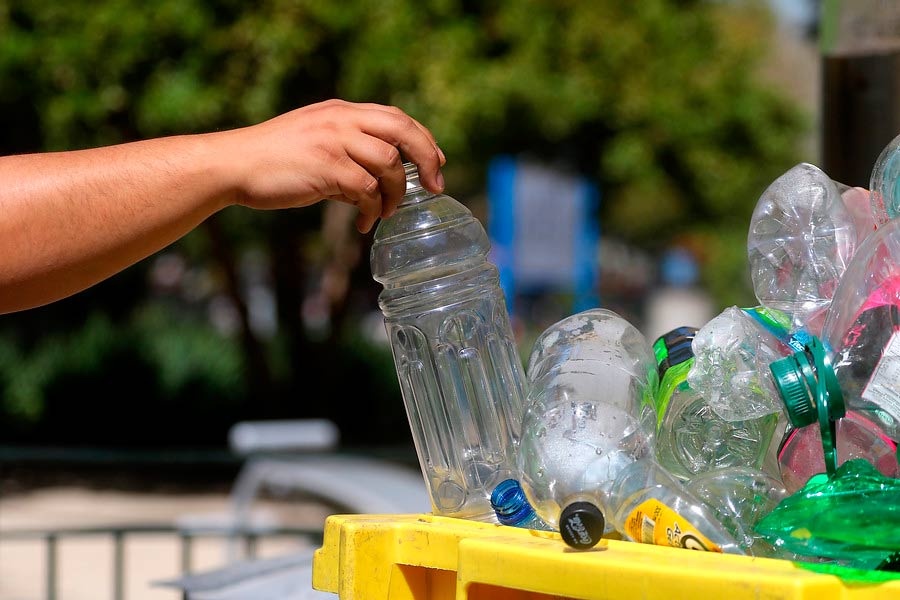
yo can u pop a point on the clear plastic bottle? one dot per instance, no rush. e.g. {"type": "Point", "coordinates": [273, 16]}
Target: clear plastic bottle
{"type": "Point", "coordinates": [595, 347]}
{"type": "Point", "coordinates": [800, 454]}
{"type": "Point", "coordinates": [800, 241]}
{"type": "Point", "coordinates": [586, 453]}
{"type": "Point", "coordinates": [859, 365]}
{"type": "Point", "coordinates": [646, 504]}
{"type": "Point", "coordinates": [739, 498]}
{"type": "Point", "coordinates": [570, 453]}
{"type": "Point", "coordinates": [591, 385]}
{"type": "Point", "coordinates": [512, 507]}
{"type": "Point", "coordinates": [587, 468]}
{"type": "Point", "coordinates": [732, 353]}
{"type": "Point", "coordinates": [885, 183]}
{"type": "Point", "coordinates": [859, 204]}
{"type": "Point", "coordinates": [454, 351]}
{"type": "Point", "coordinates": [692, 438]}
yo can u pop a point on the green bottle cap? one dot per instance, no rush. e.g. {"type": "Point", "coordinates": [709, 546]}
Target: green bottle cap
{"type": "Point", "coordinates": [796, 382]}
{"type": "Point", "coordinates": [810, 391]}
{"type": "Point", "coordinates": [825, 371]}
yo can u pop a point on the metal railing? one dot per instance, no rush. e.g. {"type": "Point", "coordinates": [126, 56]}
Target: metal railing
{"type": "Point", "coordinates": [119, 534]}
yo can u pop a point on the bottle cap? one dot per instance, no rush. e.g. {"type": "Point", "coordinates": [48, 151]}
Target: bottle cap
{"type": "Point", "coordinates": [796, 382]}
{"type": "Point", "coordinates": [581, 525]}
{"type": "Point", "coordinates": [825, 372]}
{"type": "Point", "coordinates": [510, 504]}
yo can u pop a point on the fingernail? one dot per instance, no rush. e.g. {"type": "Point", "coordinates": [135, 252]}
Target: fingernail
{"type": "Point", "coordinates": [441, 154]}
{"type": "Point", "coordinates": [440, 181]}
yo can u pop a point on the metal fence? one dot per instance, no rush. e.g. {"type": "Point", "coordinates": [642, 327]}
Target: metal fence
{"type": "Point", "coordinates": [118, 536]}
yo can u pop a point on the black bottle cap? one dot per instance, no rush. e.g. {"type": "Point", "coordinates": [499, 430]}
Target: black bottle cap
{"type": "Point", "coordinates": [581, 525]}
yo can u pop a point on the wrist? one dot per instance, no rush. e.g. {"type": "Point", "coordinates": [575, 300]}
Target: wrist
{"type": "Point", "coordinates": [224, 166]}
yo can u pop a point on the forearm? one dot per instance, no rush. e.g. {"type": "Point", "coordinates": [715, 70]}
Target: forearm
{"type": "Point", "coordinates": [71, 219]}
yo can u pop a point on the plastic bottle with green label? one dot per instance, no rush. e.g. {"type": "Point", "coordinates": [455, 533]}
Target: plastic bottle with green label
{"type": "Point", "coordinates": [692, 438]}
{"type": "Point", "coordinates": [856, 366]}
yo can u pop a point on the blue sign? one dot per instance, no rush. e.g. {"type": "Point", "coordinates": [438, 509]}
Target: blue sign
{"type": "Point", "coordinates": [544, 230]}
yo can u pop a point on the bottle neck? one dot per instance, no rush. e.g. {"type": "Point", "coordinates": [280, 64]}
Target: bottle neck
{"type": "Point", "coordinates": [414, 190]}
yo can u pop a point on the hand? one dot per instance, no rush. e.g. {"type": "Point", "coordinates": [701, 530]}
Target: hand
{"type": "Point", "coordinates": [333, 150]}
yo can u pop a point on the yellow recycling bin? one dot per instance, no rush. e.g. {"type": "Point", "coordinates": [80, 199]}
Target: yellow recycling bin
{"type": "Point", "coordinates": [424, 557]}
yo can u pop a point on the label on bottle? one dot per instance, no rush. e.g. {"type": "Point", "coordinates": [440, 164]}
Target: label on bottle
{"type": "Point", "coordinates": [883, 387]}
{"type": "Point", "coordinates": [652, 522]}
{"type": "Point", "coordinates": [778, 324]}
{"type": "Point", "coordinates": [673, 378]}
{"type": "Point", "coordinates": [660, 350]}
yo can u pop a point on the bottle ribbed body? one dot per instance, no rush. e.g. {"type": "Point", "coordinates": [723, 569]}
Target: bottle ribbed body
{"type": "Point", "coordinates": [453, 347]}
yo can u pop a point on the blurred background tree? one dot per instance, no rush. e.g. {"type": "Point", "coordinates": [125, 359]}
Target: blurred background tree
{"type": "Point", "coordinates": [258, 315]}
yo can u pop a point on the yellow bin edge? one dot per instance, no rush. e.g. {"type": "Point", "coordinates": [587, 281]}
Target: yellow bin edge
{"type": "Point", "coordinates": [426, 557]}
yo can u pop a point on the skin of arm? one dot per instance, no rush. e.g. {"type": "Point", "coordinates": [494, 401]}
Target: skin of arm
{"type": "Point", "coordinates": [71, 219]}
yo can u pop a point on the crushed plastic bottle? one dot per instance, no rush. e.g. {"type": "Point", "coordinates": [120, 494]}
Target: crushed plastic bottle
{"type": "Point", "coordinates": [454, 351]}
{"type": "Point", "coordinates": [512, 507]}
{"type": "Point", "coordinates": [800, 241]}
{"type": "Point", "coordinates": [739, 497]}
{"type": "Point", "coordinates": [885, 183]}
{"type": "Point", "coordinates": [691, 437]}
{"type": "Point", "coordinates": [859, 365]}
{"type": "Point", "coordinates": [732, 353]}
{"type": "Point", "coordinates": [800, 455]}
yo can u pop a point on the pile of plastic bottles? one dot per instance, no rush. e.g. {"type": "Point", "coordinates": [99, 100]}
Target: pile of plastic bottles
{"type": "Point", "coordinates": [689, 441]}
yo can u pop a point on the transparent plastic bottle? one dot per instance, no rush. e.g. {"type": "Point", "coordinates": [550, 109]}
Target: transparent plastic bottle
{"type": "Point", "coordinates": [859, 204]}
{"type": "Point", "coordinates": [800, 453]}
{"type": "Point", "coordinates": [732, 353]}
{"type": "Point", "coordinates": [597, 347]}
{"type": "Point", "coordinates": [646, 504]}
{"type": "Point", "coordinates": [739, 498]}
{"type": "Point", "coordinates": [454, 351]}
{"type": "Point", "coordinates": [586, 453]}
{"type": "Point", "coordinates": [691, 437]}
{"type": "Point", "coordinates": [800, 241]}
{"type": "Point", "coordinates": [587, 468]}
{"type": "Point", "coordinates": [859, 365]}
{"type": "Point", "coordinates": [570, 453]}
{"type": "Point", "coordinates": [512, 507]}
{"type": "Point", "coordinates": [591, 385]}
{"type": "Point", "coordinates": [885, 183]}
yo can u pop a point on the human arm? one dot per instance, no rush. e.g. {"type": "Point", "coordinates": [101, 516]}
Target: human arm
{"type": "Point", "coordinates": [71, 219]}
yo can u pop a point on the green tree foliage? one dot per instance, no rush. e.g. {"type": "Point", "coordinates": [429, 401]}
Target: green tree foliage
{"type": "Point", "coordinates": [658, 100]}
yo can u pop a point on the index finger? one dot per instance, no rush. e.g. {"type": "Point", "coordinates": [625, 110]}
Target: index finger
{"type": "Point", "coordinates": [401, 130]}
{"type": "Point", "coordinates": [399, 111]}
